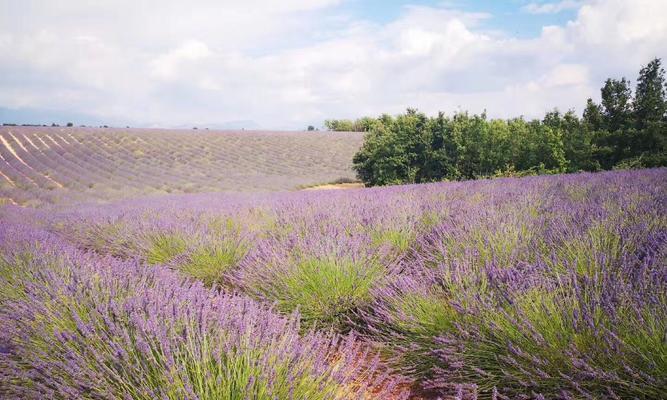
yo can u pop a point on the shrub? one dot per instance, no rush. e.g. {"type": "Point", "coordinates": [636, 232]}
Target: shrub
{"type": "Point", "coordinates": [163, 247]}
{"type": "Point", "coordinates": [326, 292]}
{"type": "Point", "coordinates": [327, 277]}
{"type": "Point", "coordinates": [109, 237]}
{"type": "Point", "coordinates": [210, 263]}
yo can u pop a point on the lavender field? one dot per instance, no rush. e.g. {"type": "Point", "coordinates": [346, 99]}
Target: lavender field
{"type": "Point", "coordinates": [550, 287]}
{"type": "Point", "coordinates": [47, 166]}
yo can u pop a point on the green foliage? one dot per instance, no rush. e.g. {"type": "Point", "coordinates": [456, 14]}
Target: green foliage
{"type": "Point", "coordinates": [164, 247]}
{"type": "Point", "coordinates": [327, 292]}
{"type": "Point", "coordinates": [340, 125]}
{"type": "Point", "coordinates": [616, 104]}
{"type": "Point", "coordinates": [398, 240]}
{"type": "Point", "coordinates": [364, 124]}
{"type": "Point", "coordinates": [650, 103]}
{"type": "Point", "coordinates": [549, 334]}
{"type": "Point", "coordinates": [417, 319]}
{"type": "Point", "coordinates": [108, 237]}
{"type": "Point", "coordinates": [621, 133]}
{"type": "Point", "coordinates": [14, 273]}
{"type": "Point", "coordinates": [210, 262]}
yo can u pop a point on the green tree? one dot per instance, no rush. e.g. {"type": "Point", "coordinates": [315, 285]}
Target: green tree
{"type": "Point", "coordinates": [618, 133]}
{"type": "Point", "coordinates": [648, 144]}
{"type": "Point", "coordinates": [395, 152]}
{"type": "Point", "coordinates": [443, 150]}
{"type": "Point", "coordinates": [382, 160]}
{"type": "Point", "coordinates": [616, 104]}
{"type": "Point", "coordinates": [592, 116]}
{"type": "Point", "coordinates": [339, 125]}
{"type": "Point", "coordinates": [650, 103]}
{"type": "Point", "coordinates": [575, 138]}
{"type": "Point", "coordinates": [612, 142]}
{"type": "Point", "coordinates": [471, 134]}
{"type": "Point", "coordinates": [364, 124]}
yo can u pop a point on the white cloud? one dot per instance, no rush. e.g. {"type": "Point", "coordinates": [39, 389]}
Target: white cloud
{"type": "Point", "coordinates": [566, 75]}
{"type": "Point", "coordinates": [552, 8]}
{"type": "Point", "coordinates": [166, 65]}
{"type": "Point", "coordinates": [292, 63]}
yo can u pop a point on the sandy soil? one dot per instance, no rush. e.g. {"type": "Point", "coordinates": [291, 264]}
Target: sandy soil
{"type": "Point", "coordinates": [337, 186]}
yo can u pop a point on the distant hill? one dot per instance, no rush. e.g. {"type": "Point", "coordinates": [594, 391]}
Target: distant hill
{"type": "Point", "coordinates": [40, 166]}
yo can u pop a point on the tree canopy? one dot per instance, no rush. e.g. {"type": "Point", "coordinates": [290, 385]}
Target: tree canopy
{"type": "Point", "coordinates": [623, 131]}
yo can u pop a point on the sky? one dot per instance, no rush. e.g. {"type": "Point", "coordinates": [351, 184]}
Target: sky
{"type": "Point", "coordinates": [266, 64]}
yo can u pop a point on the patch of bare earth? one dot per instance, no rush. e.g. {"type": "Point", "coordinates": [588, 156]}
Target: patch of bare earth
{"type": "Point", "coordinates": [335, 186]}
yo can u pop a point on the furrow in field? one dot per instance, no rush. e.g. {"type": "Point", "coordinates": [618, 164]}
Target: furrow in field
{"type": "Point", "coordinates": [11, 182]}
{"type": "Point", "coordinates": [62, 137]}
{"type": "Point", "coordinates": [108, 160]}
{"type": "Point", "coordinates": [55, 160]}
{"type": "Point", "coordinates": [27, 138]}
{"type": "Point", "coordinates": [53, 141]}
{"type": "Point", "coordinates": [15, 154]}
{"type": "Point", "coordinates": [12, 151]}
{"type": "Point", "coordinates": [74, 139]}
{"type": "Point", "coordinates": [62, 165]}
{"type": "Point", "coordinates": [135, 173]}
{"type": "Point", "coordinates": [71, 163]}
{"type": "Point", "coordinates": [112, 164]}
{"type": "Point", "coordinates": [43, 142]}
{"type": "Point", "coordinates": [44, 162]}
{"type": "Point", "coordinates": [21, 173]}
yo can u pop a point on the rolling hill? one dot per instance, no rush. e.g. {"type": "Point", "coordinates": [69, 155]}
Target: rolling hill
{"type": "Point", "coordinates": [41, 166]}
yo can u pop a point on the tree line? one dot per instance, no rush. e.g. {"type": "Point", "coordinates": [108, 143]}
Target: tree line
{"type": "Point", "coordinates": [625, 130]}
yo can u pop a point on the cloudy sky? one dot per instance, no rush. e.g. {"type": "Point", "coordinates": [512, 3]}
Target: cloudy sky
{"type": "Point", "coordinates": [290, 63]}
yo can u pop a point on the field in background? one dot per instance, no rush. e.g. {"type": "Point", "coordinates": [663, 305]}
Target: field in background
{"type": "Point", "coordinates": [67, 165]}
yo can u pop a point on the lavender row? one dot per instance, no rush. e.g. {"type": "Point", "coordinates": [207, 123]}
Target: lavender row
{"type": "Point", "coordinates": [76, 325]}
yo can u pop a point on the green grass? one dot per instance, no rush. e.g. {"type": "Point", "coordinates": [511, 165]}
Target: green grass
{"type": "Point", "coordinates": [327, 292]}
{"type": "Point", "coordinates": [164, 247]}
{"type": "Point", "coordinates": [416, 320]}
{"type": "Point", "coordinates": [209, 263]}
{"type": "Point", "coordinates": [399, 241]}
{"type": "Point", "coordinates": [425, 314]}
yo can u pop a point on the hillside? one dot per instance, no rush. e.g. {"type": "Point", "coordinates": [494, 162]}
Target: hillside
{"type": "Point", "coordinates": [62, 165]}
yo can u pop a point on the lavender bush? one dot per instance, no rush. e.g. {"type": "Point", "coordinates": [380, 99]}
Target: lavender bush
{"type": "Point", "coordinates": [326, 276]}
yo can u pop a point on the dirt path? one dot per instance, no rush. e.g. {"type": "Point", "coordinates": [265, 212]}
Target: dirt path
{"type": "Point", "coordinates": [336, 186]}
